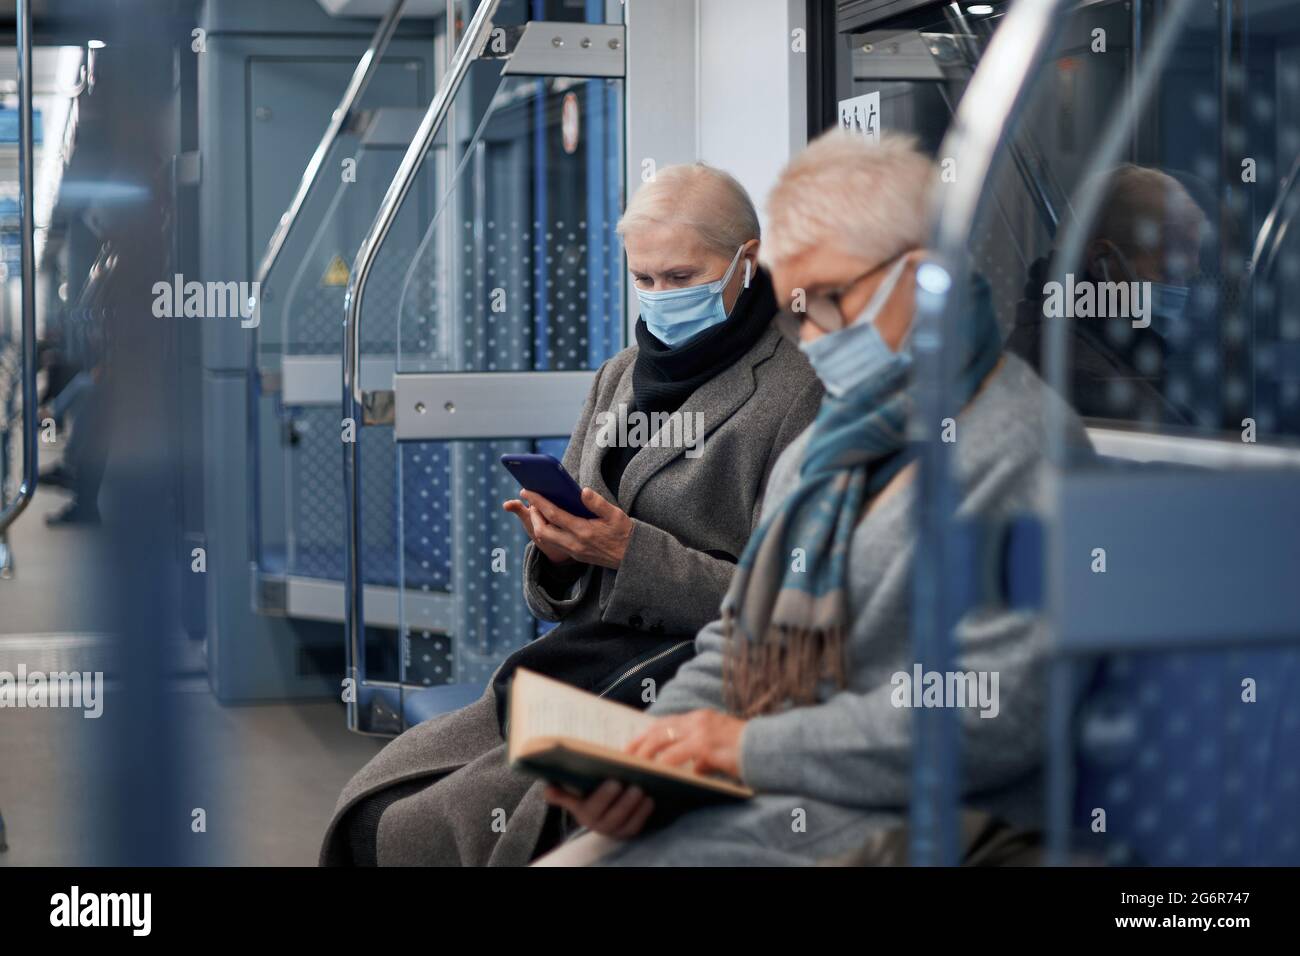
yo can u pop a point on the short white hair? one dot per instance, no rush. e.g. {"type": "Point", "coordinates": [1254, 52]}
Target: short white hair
{"type": "Point", "coordinates": [706, 199]}
{"type": "Point", "coordinates": [868, 199]}
{"type": "Point", "coordinates": [1141, 206]}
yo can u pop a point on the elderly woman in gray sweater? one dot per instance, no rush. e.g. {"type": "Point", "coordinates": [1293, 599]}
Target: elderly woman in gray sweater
{"type": "Point", "coordinates": [673, 504]}
{"type": "Point", "coordinates": [796, 690]}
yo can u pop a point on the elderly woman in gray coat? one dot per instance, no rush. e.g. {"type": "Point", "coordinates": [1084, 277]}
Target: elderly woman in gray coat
{"type": "Point", "coordinates": [803, 689]}
{"type": "Point", "coordinates": [673, 449]}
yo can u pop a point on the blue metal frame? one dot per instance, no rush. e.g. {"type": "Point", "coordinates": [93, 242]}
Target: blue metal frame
{"type": "Point", "coordinates": [979, 135]}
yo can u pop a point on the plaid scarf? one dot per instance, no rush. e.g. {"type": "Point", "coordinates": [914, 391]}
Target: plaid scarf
{"type": "Point", "coordinates": [786, 614]}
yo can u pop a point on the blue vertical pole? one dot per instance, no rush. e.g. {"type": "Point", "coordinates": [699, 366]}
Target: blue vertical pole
{"type": "Point", "coordinates": [602, 312]}
{"type": "Point", "coordinates": [593, 132]}
{"type": "Point", "coordinates": [541, 274]}
{"type": "Point", "coordinates": [937, 571]}
{"type": "Point", "coordinates": [613, 208]}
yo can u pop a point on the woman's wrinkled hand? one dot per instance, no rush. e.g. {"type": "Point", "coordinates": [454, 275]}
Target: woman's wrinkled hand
{"type": "Point", "coordinates": [533, 522]}
{"type": "Point", "coordinates": [611, 809]}
{"type": "Point", "coordinates": [564, 537]}
{"type": "Point", "coordinates": [708, 740]}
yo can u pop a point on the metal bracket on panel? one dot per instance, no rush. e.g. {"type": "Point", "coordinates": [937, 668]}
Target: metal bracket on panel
{"type": "Point", "coordinates": [321, 599]}
{"type": "Point", "coordinates": [946, 51]}
{"type": "Point", "coordinates": [269, 592]}
{"type": "Point", "coordinates": [378, 709]}
{"type": "Point", "coordinates": [314, 379]}
{"type": "Point", "coordinates": [357, 122]}
{"type": "Point", "coordinates": [378, 407]}
{"type": "Point", "coordinates": [487, 405]}
{"type": "Point", "coordinates": [565, 49]}
{"type": "Point", "coordinates": [501, 42]}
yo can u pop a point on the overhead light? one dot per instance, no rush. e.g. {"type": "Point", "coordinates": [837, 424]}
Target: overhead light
{"type": "Point", "coordinates": [980, 9]}
{"type": "Point", "coordinates": [96, 44]}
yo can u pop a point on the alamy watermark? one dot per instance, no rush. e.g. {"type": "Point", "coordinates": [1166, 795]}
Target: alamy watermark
{"type": "Point", "coordinates": [921, 688]}
{"type": "Point", "coordinates": [36, 690]}
{"type": "Point", "coordinates": [635, 429]}
{"type": "Point", "coordinates": [1084, 299]}
{"type": "Point", "coordinates": [208, 300]}
{"type": "Point", "coordinates": [133, 911]}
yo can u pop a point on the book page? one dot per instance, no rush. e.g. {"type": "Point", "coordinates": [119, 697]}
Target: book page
{"type": "Point", "coordinates": [541, 707]}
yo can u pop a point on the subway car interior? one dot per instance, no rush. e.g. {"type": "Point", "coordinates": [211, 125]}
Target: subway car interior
{"type": "Point", "coordinates": [284, 281]}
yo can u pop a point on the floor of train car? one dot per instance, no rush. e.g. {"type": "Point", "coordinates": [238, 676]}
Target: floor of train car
{"type": "Point", "coordinates": [276, 769]}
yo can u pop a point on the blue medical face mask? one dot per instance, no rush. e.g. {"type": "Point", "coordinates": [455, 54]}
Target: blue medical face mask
{"type": "Point", "coordinates": [1169, 308]}
{"type": "Point", "coordinates": [1168, 302]}
{"type": "Point", "coordinates": [675, 315]}
{"type": "Point", "coordinates": [845, 359]}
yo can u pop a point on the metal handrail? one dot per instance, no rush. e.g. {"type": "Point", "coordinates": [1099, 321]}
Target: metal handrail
{"type": "Point", "coordinates": [1039, 192]}
{"type": "Point", "coordinates": [1273, 231]}
{"type": "Point", "coordinates": [26, 232]}
{"type": "Point", "coordinates": [361, 76]}
{"type": "Point", "coordinates": [471, 44]}
{"type": "Point", "coordinates": [1055, 358]}
{"type": "Point", "coordinates": [996, 95]}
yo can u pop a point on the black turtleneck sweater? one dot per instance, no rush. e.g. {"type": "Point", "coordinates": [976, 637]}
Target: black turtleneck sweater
{"type": "Point", "coordinates": [663, 377]}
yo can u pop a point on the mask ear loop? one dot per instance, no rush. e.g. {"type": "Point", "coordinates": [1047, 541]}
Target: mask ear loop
{"type": "Point", "coordinates": [721, 284]}
{"type": "Point", "coordinates": [748, 264]}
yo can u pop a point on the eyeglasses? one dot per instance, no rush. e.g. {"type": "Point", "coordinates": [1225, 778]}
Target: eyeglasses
{"type": "Point", "coordinates": [824, 310]}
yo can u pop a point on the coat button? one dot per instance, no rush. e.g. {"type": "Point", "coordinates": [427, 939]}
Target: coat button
{"type": "Point", "coordinates": [635, 620]}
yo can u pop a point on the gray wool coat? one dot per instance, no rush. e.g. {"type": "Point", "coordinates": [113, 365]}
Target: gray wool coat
{"type": "Point", "coordinates": [477, 810]}
{"type": "Point", "coordinates": [841, 768]}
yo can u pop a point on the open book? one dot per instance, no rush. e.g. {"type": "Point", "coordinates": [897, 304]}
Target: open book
{"type": "Point", "coordinates": [576, 739]}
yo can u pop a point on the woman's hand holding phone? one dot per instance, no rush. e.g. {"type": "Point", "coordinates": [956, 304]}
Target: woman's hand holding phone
{"type": "Point", "coordinates": [534, 523]}
{"type": "Point", "coordinates": [564, 537]}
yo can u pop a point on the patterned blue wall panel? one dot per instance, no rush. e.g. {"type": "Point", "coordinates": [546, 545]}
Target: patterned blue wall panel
{"type": "Point", "coordinates": [426, 515]}
{"type": "Point", "coordinates": [315, 475]}
{"type": "Point", "coordinates": [1188, 772]}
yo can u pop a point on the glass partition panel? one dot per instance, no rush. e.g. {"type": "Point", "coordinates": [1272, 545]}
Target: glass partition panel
{"type": "Point", "coordinates": [1146, 315]}
{"type": "Point", "coordinates": [299, 340]}
{"type": "Point", "coordinates": [519, 271]}
{"type": "Point", "coordinates": [1163, 315]}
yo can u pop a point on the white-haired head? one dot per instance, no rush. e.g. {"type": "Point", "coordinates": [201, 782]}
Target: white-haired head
{"type": "Point", "coordinates": [870, 200]}
{"type": "Point", "coordinates": [1145, 209]}
{"type": "Point", "coordinates": [707, 200]}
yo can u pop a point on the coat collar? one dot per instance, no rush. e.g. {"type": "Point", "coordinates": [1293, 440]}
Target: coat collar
{"type": "Point", "coordinates": [718, 399]}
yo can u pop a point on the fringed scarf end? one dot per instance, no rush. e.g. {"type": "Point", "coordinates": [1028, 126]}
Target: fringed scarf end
{"type": "Point", "coordinates": [784, 668]}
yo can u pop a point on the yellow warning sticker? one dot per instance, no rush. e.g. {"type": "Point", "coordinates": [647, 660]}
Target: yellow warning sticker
{"type": "Point", "coordinates": [336, 273]}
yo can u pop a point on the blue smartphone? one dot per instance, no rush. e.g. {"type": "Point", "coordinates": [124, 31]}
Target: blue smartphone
{"type": "Point", "coordinates": [545, 475]}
